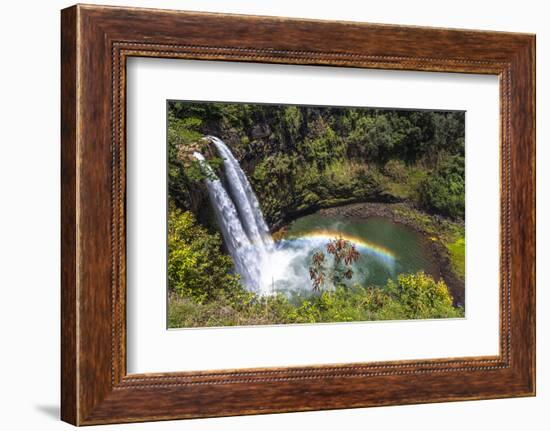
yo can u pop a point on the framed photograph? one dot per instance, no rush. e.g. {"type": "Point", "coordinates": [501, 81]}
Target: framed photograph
{"type": "Point", "coordinates": [265, 215]}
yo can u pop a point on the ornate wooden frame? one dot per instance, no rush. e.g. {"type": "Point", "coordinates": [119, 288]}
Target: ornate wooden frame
{"type": "Point", "coordinates": [95, 43]}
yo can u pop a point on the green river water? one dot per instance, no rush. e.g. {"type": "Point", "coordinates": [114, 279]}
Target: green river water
{"type": "Point", "coordinates": [386, 248]}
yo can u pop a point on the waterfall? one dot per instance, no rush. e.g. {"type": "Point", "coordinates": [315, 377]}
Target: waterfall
{"type": "Point", "coordinates": [236, 240]}
{"type": "Point", "coordinates": [244, 197]}
{"type": "Point", "coordinates": [240, 218]}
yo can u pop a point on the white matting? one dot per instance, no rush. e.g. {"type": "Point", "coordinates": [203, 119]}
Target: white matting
{"type": "Point", "coordinates": [153, 348]}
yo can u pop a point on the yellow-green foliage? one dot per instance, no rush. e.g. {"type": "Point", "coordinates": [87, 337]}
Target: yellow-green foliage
{"type": "Point", "coordinates": [421, 297]}
{"type": "Point", "coordinates": [196, 266]}
{"type": "Point", "coordinates": [412, 296]}
{"type": "Point", "coordinates": [457, 251]}
{"type": "Point", "coordinates": [183, 130]}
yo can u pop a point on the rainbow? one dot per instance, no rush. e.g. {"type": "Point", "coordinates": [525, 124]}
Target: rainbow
{"type": "Point", "coordinates": [360, 243]}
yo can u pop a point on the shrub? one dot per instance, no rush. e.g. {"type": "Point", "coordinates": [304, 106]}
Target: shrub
{"type": "Point", "coordinates": [421, 297]}
{"type": "Point", "coordinates": [412, 296]}
{"type": "Point", "coordinates": [197, 267]}
{"type": "Point", "coordinates": [443, 191]}
{"type": "Point", "coordinates": [396, 170]}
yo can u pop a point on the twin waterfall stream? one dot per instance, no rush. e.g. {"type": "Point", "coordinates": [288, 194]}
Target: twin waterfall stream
{"type": "Point", "coordinates": [240, 218]}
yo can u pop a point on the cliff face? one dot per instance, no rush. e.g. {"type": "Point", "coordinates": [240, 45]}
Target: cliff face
{"type": "Point", "coordinates": [281, 194]}
{"type": "Point", "coordinates": [300, 158]}
{"type": "Point", "coordinates": [188, 190]}
{"type": "Point", "coordinates": [185, 151]}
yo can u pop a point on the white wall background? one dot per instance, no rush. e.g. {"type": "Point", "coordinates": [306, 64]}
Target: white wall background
{"type": "Point", "coordinates": [29, 216]}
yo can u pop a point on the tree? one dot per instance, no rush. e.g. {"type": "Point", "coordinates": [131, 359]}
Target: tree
{"type": "Point", "coordinates": [443, 191]}
{"type": "Point", "coordinates": [344, 255]}
{"type": "Point", "coordinates": [197, 267]}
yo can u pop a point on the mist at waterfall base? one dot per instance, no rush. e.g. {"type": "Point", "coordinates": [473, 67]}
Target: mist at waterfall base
{"type": "Point", "coordinates": [266, 266]}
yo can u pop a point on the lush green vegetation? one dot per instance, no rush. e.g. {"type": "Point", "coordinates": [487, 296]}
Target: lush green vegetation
{"type": "Point", "coordinates": [443, 191]}
{"type": "Point", "coordinates": [457, 252]}
{"type": "Point", "coordinates": [412, 296]}
{"type": "Point", "coordinates": [197, 267]}
{"type": "Point", "coordinates": [301, 159]}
